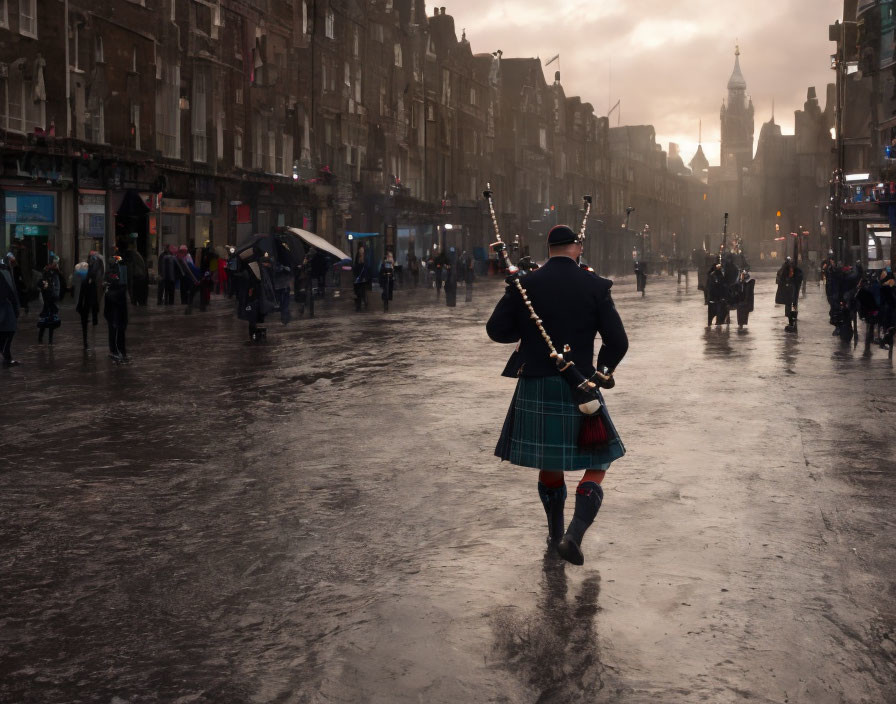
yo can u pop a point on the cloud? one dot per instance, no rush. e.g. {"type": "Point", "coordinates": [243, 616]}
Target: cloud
{"type": "Point", "coordinates": [667, 60]}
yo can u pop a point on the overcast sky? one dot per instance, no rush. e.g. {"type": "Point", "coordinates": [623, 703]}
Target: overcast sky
{"type": "Point", "coordinates": [671, 59]}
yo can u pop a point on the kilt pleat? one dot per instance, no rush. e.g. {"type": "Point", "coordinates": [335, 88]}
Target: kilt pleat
{"type": "Point", "coordinates": [541, 429]}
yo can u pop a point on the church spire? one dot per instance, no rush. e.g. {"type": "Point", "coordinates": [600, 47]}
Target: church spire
{"type": "Point", "coordinates": [737, 82]}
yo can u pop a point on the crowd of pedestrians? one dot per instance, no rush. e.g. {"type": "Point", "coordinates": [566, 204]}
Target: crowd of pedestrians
{"type": "Point", "coordinates": [124, 280]}
{"type": "Point", "coordinates": [854, 295]}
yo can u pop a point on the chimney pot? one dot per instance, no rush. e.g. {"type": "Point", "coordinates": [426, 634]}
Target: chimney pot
{"type": "Point", "coordinates": [557, 76]}
{"type": "Point", "coordinates": [443, 11]}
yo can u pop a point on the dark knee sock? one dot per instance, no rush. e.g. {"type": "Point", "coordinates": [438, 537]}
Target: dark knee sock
{"type": "Point", "coordinates": [589, 497]}
{"type": "Point", "coordinates": [553, 499]}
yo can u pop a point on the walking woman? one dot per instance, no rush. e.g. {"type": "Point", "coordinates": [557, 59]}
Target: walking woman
{"type": "Point", "coordinates": [50, 289]}
{"type": "Point", "coordinates": [387, 279]}
{"type": "Point", "coordinates": [362, 278]}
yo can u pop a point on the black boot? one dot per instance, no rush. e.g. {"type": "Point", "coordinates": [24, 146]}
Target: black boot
{"type": "Point", "coordinates": [553, 499]}
{"type": "Point", "coordinates": [589, 496]}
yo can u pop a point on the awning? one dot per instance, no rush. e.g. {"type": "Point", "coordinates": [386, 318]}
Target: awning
{"type": "Point", "coordinates": [318, 242]}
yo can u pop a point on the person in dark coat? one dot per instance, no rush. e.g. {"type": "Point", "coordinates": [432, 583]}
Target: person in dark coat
{"type": "Point", "coordinates": [716, 296]}
{"type": "Point", "coordinates": [543, 424]}
{"type": "Point", "coordinates": [451, 279]}
{"type": "Point", "coordinates": [51, 289]}
{"type": "Point", "coordinates": [9, 309]}
{"type": "Point", "coordinates": [789, 280]}
{"type": "Point", "coordinates": [115, 311]}
{"type": "Point", "coordinates": [319, 273]}
{"type": "Point", "coordinates": [168, 275]}
{"type": "Point", "coordinates": [465, 266]}
{"type": "Point", "coordinates": [387, 279]}
{"type": "Point", "coordinates": [742, 295]}
{"type": "Point", "coordinates": [361, 273]}
{"type": "Point", "coordinates": [439, 262]}
{"type": "Point", "coordinates": [189, 281]}
{"type": "Point", "coordinates": [304, 284]}
{"type": "Point", "coordinates": [138, 275]}
{"type": "Point", "coordinates": [208, 259]}
{"type": "Point", "coordinates": [88, 305]}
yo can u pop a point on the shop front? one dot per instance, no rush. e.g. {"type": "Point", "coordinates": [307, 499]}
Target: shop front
{"type": "Point", "coordinates": [31, 226]}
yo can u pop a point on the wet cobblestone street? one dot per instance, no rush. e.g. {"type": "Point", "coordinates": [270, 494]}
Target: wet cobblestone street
{"type": "Point", "coordinates": [320, 518]}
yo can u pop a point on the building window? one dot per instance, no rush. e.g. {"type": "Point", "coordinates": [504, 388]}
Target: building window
{"type": "Point", "coordinates": [219, 142]}
{"type": "Point", "coordinates": [4, 14]}
{"type": "Point", "coordinates": [173, 6]}
{"type": "Point", "coordinates": [134, 60]}
{"type": "Point", "coordinates": [98, 53]}
{"type": "Point", "coordinates": [331, 24]}
{"type": "Point", "coordinates": [304, 16]}
{"type": "Point", "coordinates": [446, 86]}
{"type": "Point", "coordinates": [348, 75]}
{"type": "Point", "coordinates": [238, 149]}
{"type": "Point", "coordinates": [135, 124]}
{"type": "Point", "coordinates": [272, 152]}
{"type": "Point", "coordinates": [376, 31]}
{"type": "Point", "coordinates": [238, 96]}
{"type": "Point", "coordinates": [543, 138]}
{"type": "Point", "coordinates": [473, 97]}
{"type": "Point", "coordinates": [398, 54]}
{"type": "Point", "coordinates": [168, 113]}
{"type": "Point", "coordinates": [358, 85]}
{"type": "Point", "coordinates": [14, 103]}
{"type": "Point", "coordinates": [199, 116]}
{"type": "Point", "coordinates": [96, 121]}
{"type": "Point", "coordinates": [28, 18]}
{"type": "Point", "coordinates": [356, 42]}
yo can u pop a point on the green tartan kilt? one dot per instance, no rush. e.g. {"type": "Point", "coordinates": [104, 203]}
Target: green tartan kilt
{"type": "Point", "coordinates": [542, 429]}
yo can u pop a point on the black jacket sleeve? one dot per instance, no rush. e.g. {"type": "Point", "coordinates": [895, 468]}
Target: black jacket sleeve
{"type": "Point", "coordinates": [612, 334]}
{"type": "Point", "coordinates": [503, 326]}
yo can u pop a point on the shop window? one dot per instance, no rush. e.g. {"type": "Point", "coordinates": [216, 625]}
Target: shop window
{"type": "Point", "coordinates": [28, 18]}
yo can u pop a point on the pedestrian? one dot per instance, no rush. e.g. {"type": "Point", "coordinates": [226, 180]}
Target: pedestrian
{"type": "Point", "coordinates": [414, 268]}
{"type": "Point", "coordinates": [9, 309]}
{"type": "Point", "coordinates": [187, 276]}
{"type": "Point", "coordinates": [387, 279]}
{"type": "Point", "coordinates": [319, 274]}
{"type": "Point", "coordinates": [361, 274]}
{"type": "Point", "coordinates": [304, 284]}
{"type": "Point", "coordinates": [138, 276]}
{"type": "Point", "coordinates": [51, 289]}
{"type": "Point", "coordinates": [450, 279]}
{"type": "Point", "coordinates": [742, 294]}
{"type": "Point", "coordinates": [88, 306]}
{"type": "Point", "coordinates": [439, 263]}
{"type": "Point", "coordinates": [168, 275]}
{"type": "Point", "coordinates": [543, 423]}
{"type": "Point", "coordinates": [716, 296]}
{"type": "Point", "coordinates": [115, 311]}
{"type": "Point", "coordinates": [22, 272]}
{"type": "Point", "coordinates": [789, 280]}
{"type": "Point", "coordinates": [466, 272]}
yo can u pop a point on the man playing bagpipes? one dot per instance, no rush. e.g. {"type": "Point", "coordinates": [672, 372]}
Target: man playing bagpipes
{"type": "Point", "coordinates": [557, 420]}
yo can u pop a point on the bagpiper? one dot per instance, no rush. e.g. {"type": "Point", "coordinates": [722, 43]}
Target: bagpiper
{"type": "Point", "coordinates": [546, 427]}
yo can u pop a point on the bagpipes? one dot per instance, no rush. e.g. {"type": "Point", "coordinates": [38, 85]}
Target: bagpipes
{"type": "Point", "coordinates": [586, 200]}
{"type": "Point", "coordinates": [586, 394]}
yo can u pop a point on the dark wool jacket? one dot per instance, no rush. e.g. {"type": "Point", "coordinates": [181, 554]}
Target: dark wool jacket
{"type": "Point", "coordinates": [574, 305]}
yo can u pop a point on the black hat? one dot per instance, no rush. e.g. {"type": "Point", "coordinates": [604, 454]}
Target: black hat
{"type": "Point", "coordinates": [561, 234]}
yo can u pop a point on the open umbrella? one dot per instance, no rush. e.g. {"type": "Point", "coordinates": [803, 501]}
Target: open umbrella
{"type": "Point", "coordinates": [318, 242]}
